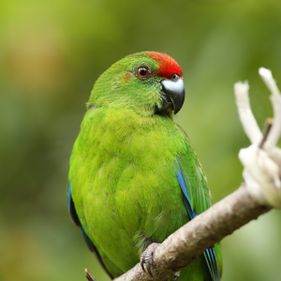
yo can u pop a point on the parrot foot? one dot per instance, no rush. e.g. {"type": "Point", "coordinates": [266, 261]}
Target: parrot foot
{"type": "Point", "coordinates": [146, 260]}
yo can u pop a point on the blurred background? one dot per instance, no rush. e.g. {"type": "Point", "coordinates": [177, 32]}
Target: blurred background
{"type": "Point", "coordinates": [52, 51]}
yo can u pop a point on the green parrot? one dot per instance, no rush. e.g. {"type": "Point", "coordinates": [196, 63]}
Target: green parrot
{"type": "Point", "coordinates": [134, 178]}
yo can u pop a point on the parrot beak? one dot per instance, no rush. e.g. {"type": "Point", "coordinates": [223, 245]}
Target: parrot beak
{"type": "Point", "coordinates": [174, 93]}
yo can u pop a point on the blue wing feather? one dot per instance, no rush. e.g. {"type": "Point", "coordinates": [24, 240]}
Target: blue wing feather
{"type": "Point", "coordinates": [187, 201]}
{"type": "Point", "coordinates": [209, 253]}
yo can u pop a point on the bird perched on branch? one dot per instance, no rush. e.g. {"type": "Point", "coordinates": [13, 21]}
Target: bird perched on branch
{"type": "Point", "coordinates": [134, 178]}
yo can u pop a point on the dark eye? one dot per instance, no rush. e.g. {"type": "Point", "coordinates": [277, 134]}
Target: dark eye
{"type": "Point", "coordinates": [143, 72]}
{"type": "Point", "coordinates": [175, 77]}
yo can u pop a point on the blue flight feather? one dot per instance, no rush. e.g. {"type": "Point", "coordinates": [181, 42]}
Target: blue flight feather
{"type": "Point", "coordinates": [209, 253]}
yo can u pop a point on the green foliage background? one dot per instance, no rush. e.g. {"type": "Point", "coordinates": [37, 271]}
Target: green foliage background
{"type": "Point", "coordinates": [51, 52]}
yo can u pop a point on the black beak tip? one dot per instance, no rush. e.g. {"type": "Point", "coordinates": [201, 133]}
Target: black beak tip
{"type": "Point", "coordinates": [178, 101]}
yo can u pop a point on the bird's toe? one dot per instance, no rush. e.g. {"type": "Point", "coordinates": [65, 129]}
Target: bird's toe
{"type": "Point", "coordinates": [146, 259]}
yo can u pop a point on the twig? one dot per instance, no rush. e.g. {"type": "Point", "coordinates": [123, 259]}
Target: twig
{"type": "Point", "coordinates": [275, 97]}
{"type": "Point", "coordinates": [268, 127]}
{"type": "Point", "coordinates": [89, 275]}
{"type": "Point", "coordinates": [248, 121]}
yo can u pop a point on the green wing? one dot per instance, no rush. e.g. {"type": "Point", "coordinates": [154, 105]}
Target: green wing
{"type": "Point", "coordinates": [197, 198]}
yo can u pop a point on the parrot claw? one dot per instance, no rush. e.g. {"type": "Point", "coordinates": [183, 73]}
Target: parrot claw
{"type": "Point", "coordinates": [146, 260]}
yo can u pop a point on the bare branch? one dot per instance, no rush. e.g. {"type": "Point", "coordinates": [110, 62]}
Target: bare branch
{"type": "Point", "coordinates": [268, 127]}
{"type": "Point", "coordinates": [276, 104]}
{"type": "Point", "coordinates": [89, 275]}
{"type": "Point", "coordinates": [262, 159]}
{"type": "Point", "coordinates": [249, 123]}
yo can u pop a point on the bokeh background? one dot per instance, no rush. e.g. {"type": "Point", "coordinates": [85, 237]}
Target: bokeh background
{"type": "Point", "coordinates": [52, 51]}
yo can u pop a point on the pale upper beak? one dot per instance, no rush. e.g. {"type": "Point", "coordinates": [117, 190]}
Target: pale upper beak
{"type": "Point", "coordinates": [174, 92]}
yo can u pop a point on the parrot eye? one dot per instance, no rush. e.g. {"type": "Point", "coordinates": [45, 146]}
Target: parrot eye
{"type": "Point", "coordinates": [175, 77]}
{"type": "Point", "coordinates": [143, 72]}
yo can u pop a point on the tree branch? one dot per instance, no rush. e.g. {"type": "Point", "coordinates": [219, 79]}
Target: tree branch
{"type": "Point", "coordinates": [189, 242]}
{"type": "Point", "coordinates": [89, 275]}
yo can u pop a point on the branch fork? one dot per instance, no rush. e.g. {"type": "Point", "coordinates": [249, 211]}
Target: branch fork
{"type": "Point", "coordinates": [262, 159]}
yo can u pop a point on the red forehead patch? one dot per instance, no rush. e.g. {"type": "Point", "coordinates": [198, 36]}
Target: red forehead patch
{"type": "Point", "coordinates": [167, 65]}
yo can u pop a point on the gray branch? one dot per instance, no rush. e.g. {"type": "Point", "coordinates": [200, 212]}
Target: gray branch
{"type": "Point", "coordinates": [189, 242]}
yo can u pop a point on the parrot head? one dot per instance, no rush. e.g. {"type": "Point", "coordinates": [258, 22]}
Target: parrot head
{"type": "Point", "coordinates": [147, 82]}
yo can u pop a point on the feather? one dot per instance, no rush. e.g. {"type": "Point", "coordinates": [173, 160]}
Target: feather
{"type": "Point", "coordinates": [209, 253]}
{"type": "Point", "coordinates": [90, 244]}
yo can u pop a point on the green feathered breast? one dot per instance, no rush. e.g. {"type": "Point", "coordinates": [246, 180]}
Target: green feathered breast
{"type": "Point", "coordinates": [124, 186]}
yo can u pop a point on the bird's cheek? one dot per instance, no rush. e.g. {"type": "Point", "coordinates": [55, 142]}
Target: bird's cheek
{"type": "Point", "coordinates": [127, 76]}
